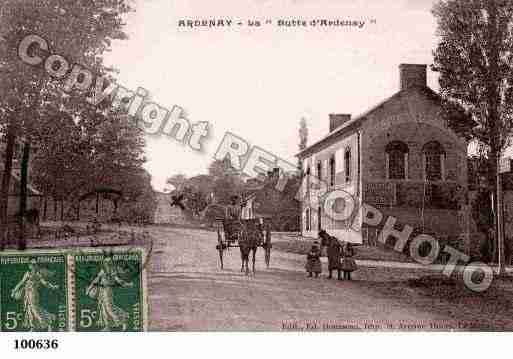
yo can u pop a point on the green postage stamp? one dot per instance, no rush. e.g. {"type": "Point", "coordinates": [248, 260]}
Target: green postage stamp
{"type": "Point", "coordinates": [73, 290]}
{"type": "Point", "coordinates": [34, 292]}
{"type": "Point", "coordinates": [109, 291]}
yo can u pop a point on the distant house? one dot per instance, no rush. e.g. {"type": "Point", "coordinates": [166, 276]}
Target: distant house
{"type": "Point", "coordinates": [400, 156]}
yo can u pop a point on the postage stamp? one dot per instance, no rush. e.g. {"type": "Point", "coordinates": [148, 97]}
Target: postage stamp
{"type": "Point", "coordinates": [34, 291]}
{"type": "Point", "coordinates": [96, 289]}
{"type": "Point", "coordinates": [109, 290]}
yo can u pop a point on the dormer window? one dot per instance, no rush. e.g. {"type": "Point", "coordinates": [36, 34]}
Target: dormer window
{"type": "Point", "coordinates": [396, 160]}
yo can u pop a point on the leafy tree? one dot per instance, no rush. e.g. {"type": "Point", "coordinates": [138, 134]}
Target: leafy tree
{"type": "Point", "coordinates": [475, 60]}
{"type": "Point", "coordinates": [139, 202]}
{"type": "Point", "coordinates": [58, 165]}
{"type": "Point", "coordinates": [199, 193]}
{"type": "Point", "coordinates": [202, 183]}
{"type": "Point", "coordinates": [281, 206]}
{"type": "Point", "coordinates": [196, 191]}
{"type": "Point", "coordinates": [227, 181]}
{"type": "Point", "coordinates": [222, 168]}
{"type": "Point", "coordinates": [177, 181]}
{"type": "Point", "coordinates": [195, 200]}
{"type": "Point", "coordinates": [115, 149]}
{"type": "Point", "coordinates": [81, 31]}
{"type": "Point", "coordinates": [303, 136]}
{"type": "Point", "coordinates": [213, 212]}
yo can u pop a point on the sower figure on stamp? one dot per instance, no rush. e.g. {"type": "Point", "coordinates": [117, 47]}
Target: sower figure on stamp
{"type": "Point", "coordinates": [313, 261]}
{"type": "Point", "coordinates": [101, 288]}
{"type": "Point", "coordinates": [334, 252]}
{"type": "Point", "coordinates": [28, 289]}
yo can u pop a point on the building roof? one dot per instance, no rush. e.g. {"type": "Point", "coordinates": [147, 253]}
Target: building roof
{"type": "Point", "coordinates": [355, 122]}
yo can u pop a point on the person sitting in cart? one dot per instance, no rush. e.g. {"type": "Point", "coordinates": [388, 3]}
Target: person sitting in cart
{"type": "Point", "coordinates": [313, 261]}
{"type": "Point", "coordinates": [234, 209]}
{"type": "Point", "coordinates": [348, 263]}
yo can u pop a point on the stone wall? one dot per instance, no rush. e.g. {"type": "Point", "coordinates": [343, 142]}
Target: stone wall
{"type": "Point", "coordinates": [415, 120]}
{"type": "Point", "coordinates": [413, 117]}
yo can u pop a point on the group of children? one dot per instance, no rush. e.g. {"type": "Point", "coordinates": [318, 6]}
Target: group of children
{"type": "Point", "coordinates": [340, 257]}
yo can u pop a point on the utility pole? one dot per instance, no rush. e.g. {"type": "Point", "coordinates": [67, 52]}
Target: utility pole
{"type": "Point", "coordinates": [6, 180]}
{"type": "Point", "coordinates": [502, 167]}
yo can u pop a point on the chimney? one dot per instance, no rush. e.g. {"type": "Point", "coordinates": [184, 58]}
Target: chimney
{"type": "Point", "coordinates": [412, 75]}
{"type": "Point", "coordinates": [336, 120]}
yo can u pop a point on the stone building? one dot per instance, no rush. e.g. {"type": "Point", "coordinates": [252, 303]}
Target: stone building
{"type": "Point", "coordinates": [401, 157]}
{"type": "Point", "coordinates": [165, 213]}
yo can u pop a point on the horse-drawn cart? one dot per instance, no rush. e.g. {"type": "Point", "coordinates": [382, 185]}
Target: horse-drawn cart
{"type": "Point", "coordinates": [246, 234]}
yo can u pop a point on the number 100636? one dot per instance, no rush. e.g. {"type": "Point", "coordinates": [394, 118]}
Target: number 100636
{"type": "Point", "coordinates": [36, 344]}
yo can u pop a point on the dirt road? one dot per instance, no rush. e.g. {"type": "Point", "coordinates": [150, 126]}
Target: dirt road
{"type": "Point", "coordinates": [189, 291]}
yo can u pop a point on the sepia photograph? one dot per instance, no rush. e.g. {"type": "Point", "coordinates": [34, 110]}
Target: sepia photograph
{"type": "Point", "coordinates": [254, 166]}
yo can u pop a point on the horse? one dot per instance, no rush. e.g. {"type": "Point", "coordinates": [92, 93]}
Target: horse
{"type": "Point", "coordinates": [251, 237]}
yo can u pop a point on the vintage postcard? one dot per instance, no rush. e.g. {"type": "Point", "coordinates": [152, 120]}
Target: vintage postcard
{"type": "Point", "coordinates": [277, 166]}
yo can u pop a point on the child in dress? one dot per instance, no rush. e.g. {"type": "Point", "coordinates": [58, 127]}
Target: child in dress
{"type": "Point", "coordinates": [313, 261]}
{"type": "Point", "coordinates": [348, 263]}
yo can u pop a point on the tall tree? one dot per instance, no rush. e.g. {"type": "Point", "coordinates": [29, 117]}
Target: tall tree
{"type": "Point", "coordinates": [222, 168]}
{"type": "Point", "coordinates": [281, 206]}
{"type": "Point", "coordinates": [303, 136]}
{"type": "Point", "coordinates": [227, 182]}
{"type": "Point", "coordinates": [475, 60]}
{"type": "Point", "coordinates": [195, 191]}
{"type": "Point", "coordinates": [177, 181]}
{"type": "Point", "coordinates": [81, 31]}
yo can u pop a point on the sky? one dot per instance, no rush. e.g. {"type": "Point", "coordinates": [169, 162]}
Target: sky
{"type": "Point", "coordinates": [258, 82]}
